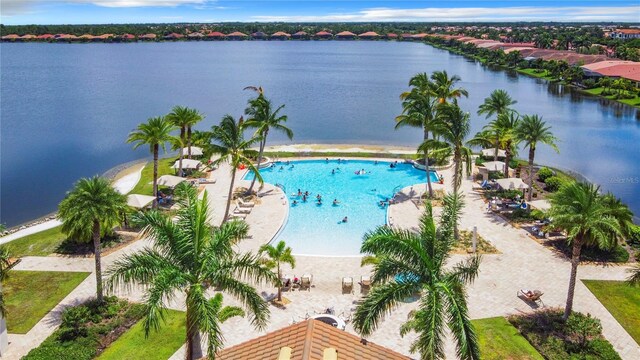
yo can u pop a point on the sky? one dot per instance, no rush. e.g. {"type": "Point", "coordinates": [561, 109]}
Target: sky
{"type": "Point", "coordinates": [17, 12]}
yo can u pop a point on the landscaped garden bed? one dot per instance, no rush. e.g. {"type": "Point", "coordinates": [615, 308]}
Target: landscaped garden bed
{"type": "Point", "coordinates": [579, 338]}
{"type": "Point", "coordinates": [30, 295]}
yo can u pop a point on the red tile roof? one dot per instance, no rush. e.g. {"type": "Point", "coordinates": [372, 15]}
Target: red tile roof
{"type": "Point", "coordinates": [323, 33]}
{"type": "Point", "coordinates": [300, 33]}
{"type": "Point", "coordinates": [280, 34]}
{"type": "Point", "coordinates": [392, 35]}
{"type": "Point", "coordinates": [216, 34]}
{"type": "Point", "coordinates": [148, 36]}
{"type": "Point", "coordinates": [345, 33]}
{"type": "Point", "coordinates": [45, 36]}
{"type": "Point", "coordinates": [237, 34]}
{"type": "Point", "coordinates": [308, 340]}
{"type": "Point", "coordinates": [369, 34]}
{"type": "Point", "coordinates": [10, 37]}
{"type": "Point", "coordinates": [629, 31]}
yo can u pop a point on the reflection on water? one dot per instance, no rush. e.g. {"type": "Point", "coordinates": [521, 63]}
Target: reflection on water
{"type": "Point", "coordinates": [67, 109]}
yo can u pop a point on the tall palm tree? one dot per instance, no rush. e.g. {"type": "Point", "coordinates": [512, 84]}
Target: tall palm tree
{"type": "Point", "coordinates": [264, 118]}
{"type": "Point", "coordinates": [232, 147]}
{"type": "Point", "coordinates": [180, 117]}
{"type": "Point", "coordinates": [276, 255]}
{"type": "Point", "coordinates": [195, 118]}
{"type": "Point", "coordinates": [443, 87]}
{"type": "Point", "coordinates": [177, 143]}
{"type": "Point", "coordinates": [588, 218]}
{"type": "Point", "coordinates": [499, 102]}
{"type": "Point", "coordinates": [90, 209]}
{"type": "Point", "coordinates": [156, 132]}
{"type": "Point", "coordinates": [505, 126]}
{"type": "Point", "coordinates": [5, 265]}
{"type": "Point", "coordinates": [409, 263]}
{"type": "Point", "coordinates": [453, 130]}
{"type": "Point", "coordinates": [532, 130]}
{"type": "Point", "coordinates": [191, 256]}
{"type": "Point", "coordinates": [419, 110]}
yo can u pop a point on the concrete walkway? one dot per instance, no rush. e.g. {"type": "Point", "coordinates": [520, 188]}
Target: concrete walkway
{"type": "Point", "coordinates": [523, 263]}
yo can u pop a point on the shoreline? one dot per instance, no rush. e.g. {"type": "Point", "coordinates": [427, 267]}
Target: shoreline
{"type": "Point", "coordinates": [118, 172]}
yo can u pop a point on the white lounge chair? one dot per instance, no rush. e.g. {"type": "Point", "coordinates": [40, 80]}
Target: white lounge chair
{"type": "Point", "coordinates": [305, 282]}
{"type": "Point", "coordinates": [347, 285]}
{"type": "Point", "coordinates": [242, 210]}
{"type": "Point", "coordinates": [247, 204]}
{"type": "Point", "coordinates": [237, 216]}
{"type": "Point", "coordinates": [365, 283]}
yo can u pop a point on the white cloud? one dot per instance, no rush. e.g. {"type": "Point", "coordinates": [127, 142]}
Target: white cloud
{"type": "Point", "coordinates": [141, 3]}
{"type": "Point", "coordinates": [16, 7]}
{"type": "Point", "coordinates": [521, 13]}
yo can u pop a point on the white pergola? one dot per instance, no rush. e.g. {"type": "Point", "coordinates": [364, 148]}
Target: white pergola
{"type": "Point", "coordinates": [512, 184]}
{"type": "Point", "coordinates": [139, 201]}
{"type": "Point", "coordinates": [493, 166]}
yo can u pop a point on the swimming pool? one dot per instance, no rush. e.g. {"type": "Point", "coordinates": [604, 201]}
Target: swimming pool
{"type": "Point", "coordinates": [314, 229]}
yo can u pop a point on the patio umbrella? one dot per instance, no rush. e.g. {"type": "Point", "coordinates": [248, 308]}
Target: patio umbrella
{"type": "Point", "coordinates": [139, 201]}
{"type": "Point", "coordinates": [542, 205]}
{"type": "Point", "coordinates": [494, 165]}
{"type": "Point", "coordinates": [187, 164]}
{"type": "Point", "coordinates": [195, 151]}
{"type": "Point", "coordinates": [170, 180]}
{"type": "Point", "coordinates": [512, 184]}
{"type": "Point", "coordinates": [491, 152]}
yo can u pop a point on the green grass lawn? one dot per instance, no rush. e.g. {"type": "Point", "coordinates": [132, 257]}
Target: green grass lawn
{"type": "Point", "coordinates": [159, 345]}
{"type": "Point", "coordinates": [598, 91]}
{"type": "Point", "coordinates": [144, 186]}
{"type": "Point", "coordinates": [500, 340]}
{"type": "Point", "coordinates": [533, 72]}
{"type": "Point", "coordinates": [42, 243]}
{"type": "Point", "coordinates": [622, 301]}
{"type": "Point", "coordinates": [30, 295]}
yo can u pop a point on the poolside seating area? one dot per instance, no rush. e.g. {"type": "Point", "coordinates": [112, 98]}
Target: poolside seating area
{"type": "Point", "coordinates": [532, 296]}
{"type": "Point", "coordinates": [347, 285]}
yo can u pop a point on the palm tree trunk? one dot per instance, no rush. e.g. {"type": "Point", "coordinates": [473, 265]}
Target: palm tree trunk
{"type": "Point", "coordinates": [189, 142]}
{"type": "Point", "coordinates": [255, 176]}
{"type": "Point", "coordinates": [155, 175]}
{"type": "Point", "coordinates": [182, 140]}
{"type": "Point", "coordinates": [229, 198]}
{"type": "Point", "coordinates": [507, 159]}
{"type": "Point", "coordinates": [426, 166]}
{"type": "Point", "coordinates": [96, 252]}
{"type": "Point", "coordinates": [194, 347]}
{"type": "Point", "coordinates": [575, 261]}
{"type": "Point", "coordinates": [180, 163]}
{"type": "Point", "coordinates": [532, 153]}
{"type": "Point", "coordinates": [279, 284]}
{"type": "Point", "coordinates": [495, 153]}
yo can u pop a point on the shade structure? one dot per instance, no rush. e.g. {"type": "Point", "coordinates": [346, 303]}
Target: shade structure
{"type": "Point", "coordinates": [196, 151]}
{"type": "Point", "coordinates": [139, 201]}
{"type": "Point", "coordinates": [543, 205]}
{"type": "Point", "coordinates": [492, 152]}
{"type": "Point", "coordinates": [187, 164]}
{"type": "Point", "coordinates": [512, 184]}
{"type": "Point", "coordinates": [494, 165]}
{"type": "Point", "coordinates": [170, 180]}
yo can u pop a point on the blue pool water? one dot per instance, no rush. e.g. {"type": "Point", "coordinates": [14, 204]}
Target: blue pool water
{"type": "Point", "coordinates": [318, 229]}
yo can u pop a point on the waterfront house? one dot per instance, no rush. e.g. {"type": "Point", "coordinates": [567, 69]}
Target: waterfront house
{"type": "Point", "coordinates": [625, 34]}
{"type": "Point", "coordinates": [280, 35]}
{"type": "Point", "coordinates": [407, 37]}
{"type": "Point", "coordinates": [86, 37]}
{"type": "Point", "coordinates": [65, 37]}
{"type": "Point", "coordinates": [215, 35]}
{"type": "Point", "coordinates": [300, 35]}
{"type": "Point", "coordinates": [629, 70]}
{"type": "Point", "coordinates": [28, 37]}
{"type": "Point", "coordinates": [307, 340]}
{"type": "Point", "coordinates": [195, 36]}
{"type": "Point", "coordinates": [237, 35]}
{"type": "Point", "coordinates": [125, 37]}
{"type": "Point", "coordinates": [259, 35]}
{"type": "Point", "coordinates": [45, 37]}
{"type": "Point", "coordinates": [148, 37]}
{"type": "Point", "coordinates": [345, 35]}
{"type": "Point", "coordinates": [420, 36]}
{"type": "Point", "coordinates": [173, 36]}
{"type": "Point", "coordinates": [392, 36]}
{"type": "Point", "coordinates": [369, 35]}
{"type": "Point", "coordinates": [103, 37]}
{"type": "Point", "coordinates": [11, 37]}
{"type": "Point", "coordinates": [323, 35]}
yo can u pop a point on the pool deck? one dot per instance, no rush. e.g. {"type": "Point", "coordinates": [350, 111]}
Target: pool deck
{"type": "Point", "coordinates": [522, 263]}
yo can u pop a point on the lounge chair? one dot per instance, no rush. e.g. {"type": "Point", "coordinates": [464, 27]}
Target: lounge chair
{"type": "Point", "coordinates": [532, 296]}
{"type": "Point", "coordinates": [305, 282]}
{"type": "Point", "coordinates": [347, 285]}
{"type": "Point", "coordinates": [287, 282]}
{"type": "Point", "coordinates": [203, 181]}
{"type": "Point", "coordinates": [240, 209]}
{"type": "Point", "coordinates": [233, 216]}
{"type": "Point", "coordinates": [247, 204]}
{"type": "Point", "coordinates": [365, 284]}
{"type": "Point", "coordinates": [345, 316]}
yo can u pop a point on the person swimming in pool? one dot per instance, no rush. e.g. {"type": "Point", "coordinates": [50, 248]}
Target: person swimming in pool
{"type": "Point", "coordinates": [326, 160]}
{"type": "Point", "coordinates": [295, 202]}
{"type": "Point", "coordinates": [345, 219]}
{"type": "Point", "coordinates": [333, 171]}
{"type": "Point", "coordinates": [281, 167]}
{"type": "Point", "coordinates": [336, 202]}
{"type": "Point", "coordinates": [318, 197]}
{"type": "Point", "coordinates": [304, 198]}
{"type": "Point", "coordinates": [320, 201]}
{"type": "Point", "coordinates": [299, 192]}
{"type": "Point", "coordinates": [306, 193]}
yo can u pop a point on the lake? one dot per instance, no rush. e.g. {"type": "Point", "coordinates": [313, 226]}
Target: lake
{"type": "Point", "coordinates": [66, 109]}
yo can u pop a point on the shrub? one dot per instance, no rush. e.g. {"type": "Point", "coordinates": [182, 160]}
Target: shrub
{"type": "Point", "coordinates": [590, 83]}
{"type": "Point", "coordinates": [553, 183]}
{"type": "Point", "coordinates": [602, 350]}
{"type": "Point", "coordinates": [537, 214]}
{"type": "Point", "coordinates": [634, 235]}
{"type": "Point", "coordinates": [496, 175]}
{"type": "Point", "coordinates": [479, 161]}
{"type": "Point", "coordinates": [583, 328]}
{"type": "Point", "coordinates": [544, 173]}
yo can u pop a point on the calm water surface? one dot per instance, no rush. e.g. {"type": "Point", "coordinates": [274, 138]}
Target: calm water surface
{"type": "Point", "coordinates": [67, 109]}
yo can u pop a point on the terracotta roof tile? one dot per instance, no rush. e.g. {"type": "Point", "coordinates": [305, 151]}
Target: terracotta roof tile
{"type": "Point", "coordinates": [308, 340]}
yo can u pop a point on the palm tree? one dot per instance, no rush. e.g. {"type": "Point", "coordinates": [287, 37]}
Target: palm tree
{"type": "Point", "coordinates": [505, 125]}
{"type": "Point", "coordinates": [499, 102]}
{"type": "Point", "coordinates": [443, 87]}
{"type": "Point", "coordinates": [263, 118]}
{"type": "Point", "coordinates": [177, 143]}
{"type": "Point", "coordinates": [5, 265]}
{"type": "Point", "coordinates": [419, 110]}
{"type": "Point", "coordinates": [453, 129]}
{"type": "Point", "coordinates": [233, 149]}
{"type": "Point", "coordinates": [191, 256]}
{"type": "Point", "coordinates": [532, 130]}
{"type": "Point", "coordinates": [182, 117]}
{"type": "Point", "coordinates": [408, 263]}
{"type": "Point", "coordinates": [276, 255]}
{"type": "Point", "coordinates": [89, 210]}
{"type": "Point", "coordinates": [195, 118]}
{"type": "Point", "coordinates": [156, 132]}
{"type": "Point", "coordinates": [588, 218]}
{"type": "Point", "coordinates": [634, 275]}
